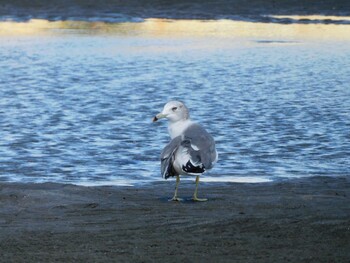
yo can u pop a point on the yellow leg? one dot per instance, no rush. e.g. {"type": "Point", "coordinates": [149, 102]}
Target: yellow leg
{"type": "Point", "coordinates": [175, 198]}
{"type": "Point", "coordinates": [195, 198]}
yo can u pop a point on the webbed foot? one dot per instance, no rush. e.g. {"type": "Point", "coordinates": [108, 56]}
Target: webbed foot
{"type": "Point", "coordinates": [176, 199]}
{"type": "Point", "coordinates": [196, 199]}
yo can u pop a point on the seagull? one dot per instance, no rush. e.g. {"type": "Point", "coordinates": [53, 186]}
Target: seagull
{"type": "Point", "coordinates": [191, 150]}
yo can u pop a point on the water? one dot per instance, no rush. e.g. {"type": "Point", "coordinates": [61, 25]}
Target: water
{"type": "Point", "coordinates": [76, 103]}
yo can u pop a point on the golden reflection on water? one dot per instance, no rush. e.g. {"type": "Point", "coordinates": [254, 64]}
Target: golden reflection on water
{"type": "Point", "coordinates": [315, 17]}
{"type": "Point", "coordinates": [186, 28]}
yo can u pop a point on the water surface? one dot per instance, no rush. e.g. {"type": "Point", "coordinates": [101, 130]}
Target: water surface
{"type": "Point", "coordinates": [77, 98]}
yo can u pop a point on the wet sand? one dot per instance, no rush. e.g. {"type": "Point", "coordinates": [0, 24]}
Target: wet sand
{"type": "Point", "coordinates": [303, 220]}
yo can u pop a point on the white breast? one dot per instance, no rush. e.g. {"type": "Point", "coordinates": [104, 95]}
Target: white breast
{"type": "Point", "coordinates": [177, 128]}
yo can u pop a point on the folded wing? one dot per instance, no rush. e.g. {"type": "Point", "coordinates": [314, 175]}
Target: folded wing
{"type": "Point", "coordinates": [191, 153]}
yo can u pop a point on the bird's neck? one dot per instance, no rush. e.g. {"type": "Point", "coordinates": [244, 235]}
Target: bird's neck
{"type": "Point", "coordinates": [176, 128]}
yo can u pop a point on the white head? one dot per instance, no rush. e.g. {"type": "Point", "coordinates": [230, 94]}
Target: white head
{"type": "Point", "coordinates": [173, 111]}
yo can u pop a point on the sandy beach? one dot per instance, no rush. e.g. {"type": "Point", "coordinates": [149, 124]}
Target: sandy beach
{"type": "Point", "coordinates": [302, 220]}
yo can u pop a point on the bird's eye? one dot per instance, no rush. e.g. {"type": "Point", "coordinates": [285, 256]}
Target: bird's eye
{"type": "Point", "coordinates": [174, 108]}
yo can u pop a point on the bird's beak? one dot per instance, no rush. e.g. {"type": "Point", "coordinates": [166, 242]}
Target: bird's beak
{"type": "Point", "coordinates": [159, 116]}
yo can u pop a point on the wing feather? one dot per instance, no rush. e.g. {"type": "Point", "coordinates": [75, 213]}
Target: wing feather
{"type": "Point", "coordinates": [167, 158]}
{"type": "Point", "coordinates": [203, 145]}
{"type": "Point", "coordinates": [190, 153]}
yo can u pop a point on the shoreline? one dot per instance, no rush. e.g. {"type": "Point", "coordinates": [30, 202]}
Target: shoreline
{"type": "Point", "coordinates": [301, 220]}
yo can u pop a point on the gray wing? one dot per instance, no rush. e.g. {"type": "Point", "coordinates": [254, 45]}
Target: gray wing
{"type": "Point", "coordinates": [194, 151]}
{"type": "Point", "coordinates": [167, 158]}
{"type": "Point", "coordinates": [201, 146]}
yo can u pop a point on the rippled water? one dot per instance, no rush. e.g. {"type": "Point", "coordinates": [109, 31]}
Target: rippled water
{"type": "Point", "coordinates": [77, 107]}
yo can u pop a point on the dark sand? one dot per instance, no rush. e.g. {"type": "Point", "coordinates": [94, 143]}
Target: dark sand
{"type": "Point", "coordinates": [107, 10]}
{"type": "Point", "coordinates": [295, 221]}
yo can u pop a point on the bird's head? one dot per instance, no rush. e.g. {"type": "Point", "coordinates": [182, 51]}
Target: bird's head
{"type": "Point", "coordinates": [173, 111]}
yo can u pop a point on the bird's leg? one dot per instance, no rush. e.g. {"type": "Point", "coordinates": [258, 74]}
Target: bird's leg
{"type": "Point", "coordinates": [195, 198]}
{"type": "Point", "coordinates": [175, 198]}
